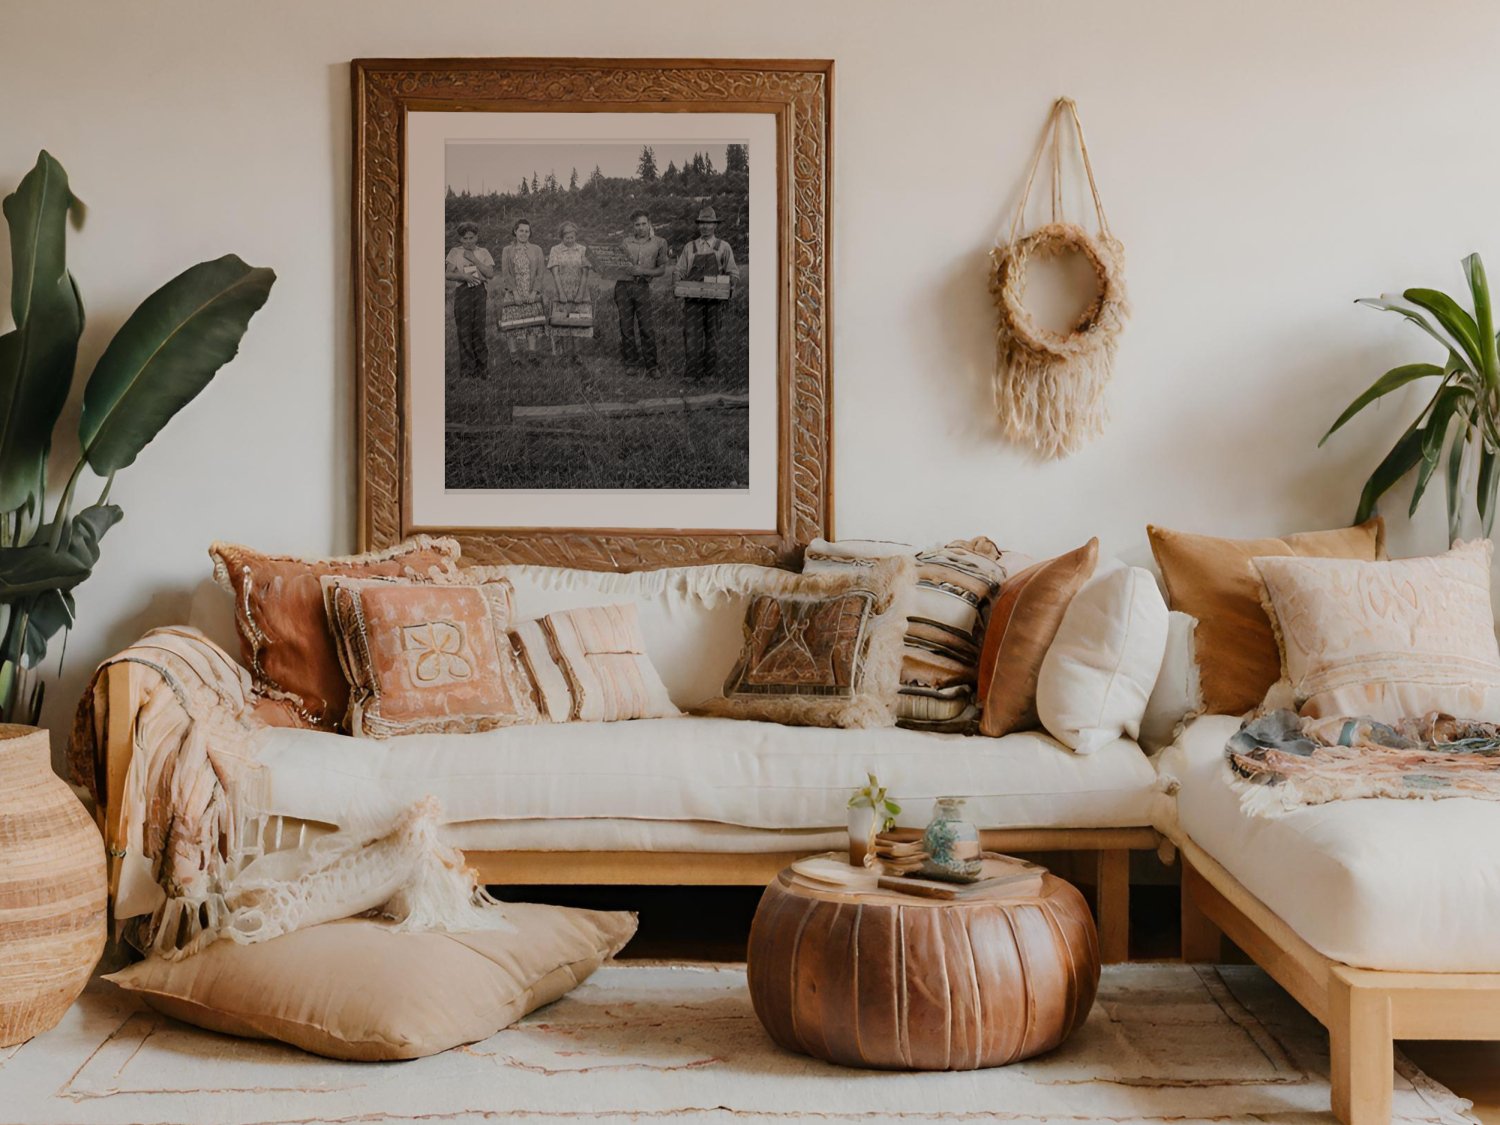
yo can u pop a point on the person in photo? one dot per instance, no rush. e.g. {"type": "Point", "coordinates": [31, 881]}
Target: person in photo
{"type": "Point", "coordinates": [469, 269]}
{"type": "Point", "coordinates": [646, 258]}
{"type": "Point", "coordinates": [521, 266]}
{"type": "Point", "coordinates": [706, 256]}
{"type": "Point", "coordinates": [573, 306]}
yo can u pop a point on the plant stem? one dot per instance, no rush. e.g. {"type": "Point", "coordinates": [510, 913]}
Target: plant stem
{"type": "Point", "coordinates": [65, 504]}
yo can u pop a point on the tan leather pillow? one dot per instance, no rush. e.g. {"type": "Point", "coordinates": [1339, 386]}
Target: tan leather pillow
{"type": "Point", "coordinates": [285, 640]}
{"type": "Point", "coordinates": [1023, 623]}
{"type": "Point", "coordinates": [356, 990]}
{"type": "Point", "coordinates": [1214, 580]}
{"type": "Point", "coordinates": [427, 657]}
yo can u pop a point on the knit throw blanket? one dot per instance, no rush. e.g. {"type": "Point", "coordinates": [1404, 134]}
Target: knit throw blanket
{"type": "Point", "coordinates": [1280, 761]}
{"type": "Point", "coordinates": [193, 856]}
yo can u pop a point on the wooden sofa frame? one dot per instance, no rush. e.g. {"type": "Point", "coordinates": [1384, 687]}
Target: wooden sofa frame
{"type": "Point", "coordinates": [1111, 846]}
{"type": "Point", "coordinates": [1364, 1010]}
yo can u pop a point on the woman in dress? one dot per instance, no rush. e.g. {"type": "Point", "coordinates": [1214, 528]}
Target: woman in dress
{"type": "Point", "coordinates": [572, 275]}
{"type": "Point", "coordinates": [521, 266]}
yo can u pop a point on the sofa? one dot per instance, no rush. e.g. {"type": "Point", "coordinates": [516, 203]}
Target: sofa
{"type": "Point", "coordinates": [689, 800]}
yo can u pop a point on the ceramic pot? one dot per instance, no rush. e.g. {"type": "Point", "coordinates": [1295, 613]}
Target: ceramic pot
{"type": "Point", "coordinates": [52, 888]}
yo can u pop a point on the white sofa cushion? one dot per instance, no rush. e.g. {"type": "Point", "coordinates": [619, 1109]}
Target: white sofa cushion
{"type": "Point", "coordinates": [731, 771]}
{"type": "Point", "coordinates": [1101, 665]}
{"type": "Point", "coordinates": [1377, 883]}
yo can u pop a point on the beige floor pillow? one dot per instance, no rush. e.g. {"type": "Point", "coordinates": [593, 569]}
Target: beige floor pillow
{"type": "Point", "coordinates": [356, 990]}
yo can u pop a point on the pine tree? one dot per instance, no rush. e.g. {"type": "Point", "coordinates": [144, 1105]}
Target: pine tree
{"type": "Point", "coordinates": [708, 165]}
{"type": "Point", "coordinates": [596, 176]}
{"type": "Point", "coordinates": [671, 174]}
{"type": "Point", "coordinates": [646, 170]}
{"type": "Point", "coordinates": [573, 181]}
{"type": "Point", "coordinates": [737, 158]}
{"type": "Point", "coordinates": [525, 187]}
{"type": "Point", "coordinates": [536, 185]}
{"type": "Point", "coordinates": [550, 184]}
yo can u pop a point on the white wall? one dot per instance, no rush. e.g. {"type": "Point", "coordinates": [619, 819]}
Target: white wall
{"type": "Point", "coordinates": [1264, 164]}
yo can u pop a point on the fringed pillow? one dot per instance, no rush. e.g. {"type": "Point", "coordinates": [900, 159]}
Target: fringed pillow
{"type": "Point", "coordinates": [590, 665]}
{"type": "Point", "coordinates": [285, 639]}
{"type": "Point", "coordinates": [823, 649]}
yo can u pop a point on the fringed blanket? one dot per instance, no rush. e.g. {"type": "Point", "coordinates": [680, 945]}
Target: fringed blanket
{"type": "Point", "coordinates": [1281, 761]}
{"type": "Point", "coordinates": [193, 865]}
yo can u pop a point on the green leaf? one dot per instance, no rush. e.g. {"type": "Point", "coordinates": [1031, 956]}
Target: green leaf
{"type": "Point", "coordinates": [1393, 379]}
{"type": "Point", "coordinates": [1402, 458]}
{"type": "Point", "coordinates": [1488, 479]}
{"type": "Point", "coordinates": [166, 353]}
{"type": "Point", "coordinates": [35, 568]}
{"type": "Point", "coordinates": [1455, 476]}
{"type": "Point", "coordinates": [82, 535]}
{"type": "Point", "coordinates": [37, 356]}
{"type": "Point", "coordinates": [1454, 319]}
{"type": "Point", "coordinates": [1397, 304]}
{"type": "Point", "coordinates": [1484, 316]}
{"type": "Point", "coordinates": [1446, 403]}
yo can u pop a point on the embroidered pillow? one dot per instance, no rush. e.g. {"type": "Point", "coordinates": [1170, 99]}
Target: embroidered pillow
{"type": "Point", "coordinates": [1213, 580]}
{"type": "Point", "coordinates": [284, 635]}
{"type": "Point", "coordinates": [1025, 619]}
{"type": "Point", "coordinates": [424, 657]}
{"type": "Point", "coordinates": [590, 665]}
{"type": "Point", "coordinates": [956, 584]}
{"type": "Point", "coordinates": [823, 649]}
{"type": "Point", "coordinates": [1388, 640]}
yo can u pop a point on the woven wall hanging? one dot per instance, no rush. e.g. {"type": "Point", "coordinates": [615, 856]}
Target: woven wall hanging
{"type": "Point", "coordinates": [1049, 386]}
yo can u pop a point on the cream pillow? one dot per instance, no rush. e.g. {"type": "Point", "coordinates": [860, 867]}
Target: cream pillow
{"type": "Point", "coordinates": [590, 665]}
{"type": "Point", "coordinates": [356, 990]}
{"type": "Point", "coordinates": [1389, 640]}
{"type": "Point", "coordinates": [1100, 668]}
{"type": "Point", "coordinates": [1177, 695]}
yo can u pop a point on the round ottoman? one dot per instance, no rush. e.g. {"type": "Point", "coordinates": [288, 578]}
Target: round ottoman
{"type": "Point", "coordinates": [883, 979]}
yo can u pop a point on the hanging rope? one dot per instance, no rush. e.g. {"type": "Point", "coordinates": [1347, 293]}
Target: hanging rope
{"type": "Point", "coordinates": [1049, 386]}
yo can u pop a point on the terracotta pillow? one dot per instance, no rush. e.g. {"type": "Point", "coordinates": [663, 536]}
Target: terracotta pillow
{"type": "Point", "coordinates": [1388, 640]}
{"type": "Point", "coordinates": [285, 640]}
{"type": "Point", "coordinates": [427, 657]}
{"type": "Point", "coordinates": [1026, 617]}
{"type": "Point", "coordinates": [356, 990]}
{"type": "Point", "coordinates": [590, 665]}
{"type": "Point", "coordinates": [824, 649]}
{"type": "Point", "coordinates": [1214, 580]}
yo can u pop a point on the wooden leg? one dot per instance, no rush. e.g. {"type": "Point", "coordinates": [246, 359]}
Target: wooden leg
{"type": "Point", "coordinates": [1202, 941]}
{"type": "Point", "coordinates": [1361, 1052]}
{"type": "Point", "coordinates": [1112, 885]}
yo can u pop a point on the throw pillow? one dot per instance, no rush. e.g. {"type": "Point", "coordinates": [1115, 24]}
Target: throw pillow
{"type": "Point", "coordinates": [356, 990]}
{"type": "Point", "coordinates": [1177, 695]}
{"type": "Point", "coordinates": [285, 640]}
{"type": "Point", "coordinates": [1213, 580]}
{"type": "Point", "coordinates": [956, 584]}
{"type": "Point", "coordinates": [1099, 670]}
{"type": "Point", "coordinates": [424, 657]}
{"type": "Point", "coordinates": [1026, 617]}
{"type": "Point", "coordinates": [590, 665]}
{"type": "Point", "coordinates": [823, 649]}
{"type": "Point", "coordinates": [1388, 640]}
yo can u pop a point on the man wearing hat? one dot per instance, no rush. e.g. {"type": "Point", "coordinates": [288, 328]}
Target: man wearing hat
{"type": "Point", "coordinates": [705, 256]}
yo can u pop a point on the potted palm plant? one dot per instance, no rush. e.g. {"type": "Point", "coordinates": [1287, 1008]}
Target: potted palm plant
{"type": "Point", "coordinates": [162, 356]}
{"type": "Point", "coordinates": [1457, 426]}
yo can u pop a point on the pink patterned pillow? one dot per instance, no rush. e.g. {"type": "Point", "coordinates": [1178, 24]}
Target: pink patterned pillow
{"type": "Point", "coordinates": [590, 665]}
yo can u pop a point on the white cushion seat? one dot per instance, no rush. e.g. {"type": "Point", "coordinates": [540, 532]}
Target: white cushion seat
{"type": "Point", "coordinates": [726, 771]}
{"type": "Point", "coordinates": [1404, 885]}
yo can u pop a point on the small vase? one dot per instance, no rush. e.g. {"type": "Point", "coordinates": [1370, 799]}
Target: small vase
{"type": "Point", "coordinates": [861, 831]}
{"type": "Point", "coordinates": [951, 843]}
{"type": "Point", "coordinates": [52, 889]}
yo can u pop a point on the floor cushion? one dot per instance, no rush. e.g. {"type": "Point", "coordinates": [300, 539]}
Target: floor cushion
{"type": "Point", "coordinates": [357, 990]}
{"type": "Point", "coordinates": [1376, 883]}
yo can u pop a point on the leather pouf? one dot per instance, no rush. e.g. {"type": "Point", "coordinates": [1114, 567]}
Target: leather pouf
{"type": "Point", "coordinates": [896, 982]}
{"type": "Point", "coordinates": [52, 888]}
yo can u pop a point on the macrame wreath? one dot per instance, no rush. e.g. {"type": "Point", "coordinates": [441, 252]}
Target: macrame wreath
{"type": "Point", "coordinates": [1049, 386]}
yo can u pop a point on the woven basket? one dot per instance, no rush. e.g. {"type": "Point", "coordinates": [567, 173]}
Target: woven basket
{"type": "Point", "coordinates": [52, 889]}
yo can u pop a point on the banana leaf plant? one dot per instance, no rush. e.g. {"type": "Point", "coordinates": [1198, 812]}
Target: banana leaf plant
{"type": "Point", "coordinates": [1457, 427]}
{"type": "Point", "coordinates": [164, 354]}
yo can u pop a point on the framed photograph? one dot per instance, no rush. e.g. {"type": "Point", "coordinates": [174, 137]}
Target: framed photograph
{"type": "Point", "coordinates": [592, 307]}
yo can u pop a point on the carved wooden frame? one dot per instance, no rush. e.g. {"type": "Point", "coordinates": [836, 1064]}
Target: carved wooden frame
{"type": "Point", "coordinates": [797, 92]}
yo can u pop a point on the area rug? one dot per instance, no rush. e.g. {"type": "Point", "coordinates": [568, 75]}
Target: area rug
{"type": "Point", "coordinates": [643, 1042]}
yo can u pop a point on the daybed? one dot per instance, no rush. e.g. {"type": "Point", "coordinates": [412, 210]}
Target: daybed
{"type": "Point", "coordinates": [670, 801]}
{"type": "Point", "coordinates": [1378, 915]}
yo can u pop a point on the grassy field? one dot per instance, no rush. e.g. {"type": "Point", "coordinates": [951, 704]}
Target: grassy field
{"type": "Point", "coordinates": [487, 447]}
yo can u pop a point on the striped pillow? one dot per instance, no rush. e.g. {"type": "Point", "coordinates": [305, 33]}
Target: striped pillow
{"type": "Point", "coordinates": [590, 665]}
{"type": "Point", "coordinates": [956, 583]}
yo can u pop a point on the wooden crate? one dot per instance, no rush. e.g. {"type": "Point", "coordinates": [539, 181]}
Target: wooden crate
{"type": "Point", "coordinates": [522, 315]}
{"type": "Point", "coordinates": [713, 289]}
